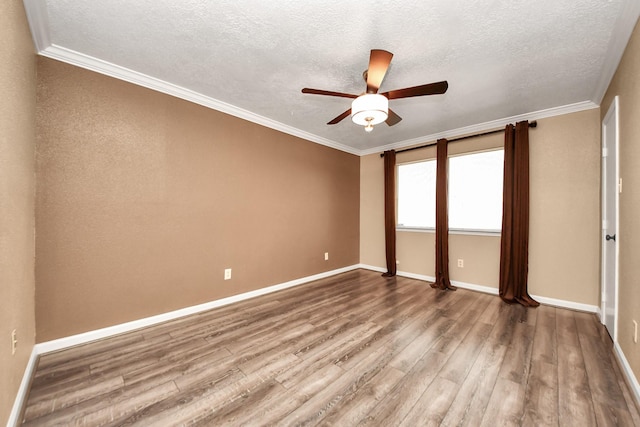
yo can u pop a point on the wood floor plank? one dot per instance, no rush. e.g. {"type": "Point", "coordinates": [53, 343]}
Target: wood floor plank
{"type": "Point", "coordinates": [464, 357]}
{"type": "Point", "coordinates": [169, 370]}
{"type": "Point", "coordinates": [541, 395]}
{"type": "Point", "coordinates": [330, 351]}
{"type": "Point", "coordinates": [474, 393]}
{"type": "Point", "coordinates": [64, 398]}
{"type": "Point", "coordinates": [56, 379]}
{"type": "Point", "coordinates": [611, 416]}
{"type": "Point", "coordinates": [494, 311]}
{"type": "Point", "coordinates": [411, 354]}
{"type": "Point", "coordinates": [603, 384]}
{"type": "Point", "coordinates": [198, 400]}
{"type": "Point", "coordinates": [53, 361]}
{"type": "Point", "coordinates": [398, 403]}
{"type": "Point", "coordinates": [336, 394]}
{"type": "Point", "coordinates": [566, 329]}
{"type": "Point", "coordinates": [364, 374]}
{"type": "Point", "coordinates": [397, 332]}
{"type": "Point", "coordinates": [473, 397]}
{"type": "Point", "coordinates": [295, 334]}
{"type": "Point", "coordinates": [575, 403]}
{"type": "Point", "coordinates": [506, 405]}
{"type": "Point", "coordinates": [339, 395]}
{"type": "Point", "coordinates": [109, 408]}
{"type": "Point", "coordinates": [352, 349]}
{"type": "Point", "coordinates": [151, 355]}
{"type": "Point", "coordinates": [545, 343]}
{"type": "Point", "coordinates": [633, 406]}
{"type": "Point", "coordinates": [432, 406]}
{"type": "Point", "coordinates": [516, 361]}
{"type": "Point", "coordinates": [234, 408]}
{"type": "Point", "coordinates": [586, 325]}
{"type": "Point", "coordinates": [278, 405]}
{"type": "Point", "coordinates": [365, 398]}
{"type": "Point", "coordinates": [451, 339]}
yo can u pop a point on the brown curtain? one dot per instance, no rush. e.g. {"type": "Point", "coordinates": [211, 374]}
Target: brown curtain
{"type": "Point", "coordinates": [390, 211]}
{"type": "Point", "coordinates": [514, 249]}
{"type": "Point", "coordinates": [442, 220]}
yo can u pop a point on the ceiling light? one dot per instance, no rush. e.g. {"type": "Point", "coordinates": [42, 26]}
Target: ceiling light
{"type": "Point", "coordinates": [369, 109]}
{"type": "Point", "coordinates": [369, 126]}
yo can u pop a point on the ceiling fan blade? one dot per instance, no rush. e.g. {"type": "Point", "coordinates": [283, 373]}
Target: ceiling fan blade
{"type": "Point", "coordinates": [379, 61]}
{"type": "Point", "coordinates": [340, 117]}
{"type": "Point", "coordinates": [328, 93]}
{"type": "Point", "coordinates": [428, 89]}
{"type": "Point", "coordinates": [393, 118]}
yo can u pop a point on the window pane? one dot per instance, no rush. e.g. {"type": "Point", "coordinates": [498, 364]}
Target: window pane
{"type": "Point", "coordinates": [475, 191]}
{"type": "Point", "coordinates": [417, 194]}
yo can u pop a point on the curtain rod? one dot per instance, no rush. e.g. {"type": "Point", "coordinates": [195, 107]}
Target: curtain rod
{"type": "Point", "coordinates": [532, 124]}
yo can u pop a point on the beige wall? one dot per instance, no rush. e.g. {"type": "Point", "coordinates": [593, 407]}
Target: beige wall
{"type": "Point", "coordinates": [564, 235]}
{"type": "Point", "coordinates": [17, 186]}
{"type": "Point", "coordinates": [626, 85]}
{"type": "Point", "coordinates": [144, 199]}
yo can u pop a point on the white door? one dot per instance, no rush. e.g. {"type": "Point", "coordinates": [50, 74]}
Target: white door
{"type": "Point", "coordinates": [610, 238]}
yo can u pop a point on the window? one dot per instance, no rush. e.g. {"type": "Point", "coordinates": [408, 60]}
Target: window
{"type": "Point", "coordinates": [417, 195]}
{"type": "Point", "coordinates": [475, 192]}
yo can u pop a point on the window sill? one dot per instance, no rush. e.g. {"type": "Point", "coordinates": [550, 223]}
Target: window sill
{"type": "Point", "coordinates": [493, 233]}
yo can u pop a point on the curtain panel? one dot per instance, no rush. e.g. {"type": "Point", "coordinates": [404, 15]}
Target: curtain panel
{"type": "Point", "coordinates": [390, 211]}
{"type": "Point", "coordinates": [442, 220]}
{"type": "Point", "coordinates": [514, 245]}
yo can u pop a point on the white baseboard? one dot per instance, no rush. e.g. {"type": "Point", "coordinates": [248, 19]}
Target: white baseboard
{"type": "Point", "coordinates": [14, 416]}
{"type": "Point", "coordinates": [372, 268]}
{"type": "Point", "coordinates": [566, 304]}
{"type": "Point", "coordinates": [463, 285]}
{"type": "Point", "coordinates": [66, 342]}
{"type": "Point", "coordinates": [626, 368]}
{"type": "Point", "coordinates": [491, 290]}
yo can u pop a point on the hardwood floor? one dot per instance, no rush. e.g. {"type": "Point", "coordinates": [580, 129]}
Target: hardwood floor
{"type": "Point", "coordinates": [354, 349]}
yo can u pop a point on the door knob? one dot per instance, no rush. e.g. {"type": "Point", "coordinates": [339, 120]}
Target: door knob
{"type": "Point", "coordinates": [609, 237]}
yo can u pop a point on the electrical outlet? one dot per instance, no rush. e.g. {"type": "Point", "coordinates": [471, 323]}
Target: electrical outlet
{"type": "Point", "coordinates": [635, 332]}
{"type": "Point", "coordinates": [461, 263]}
{"type": "Point", "coordinates": [227, 273]}
{"type": "Point", "coordinates": [326, 256]}
{"type": "Point", "coordinates": [14, 341]}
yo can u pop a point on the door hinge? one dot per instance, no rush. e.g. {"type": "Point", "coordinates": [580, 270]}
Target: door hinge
{"type": "Point", "coordinates": [605, 152]}
{"type": "Point", "coordinates": [620, 186]}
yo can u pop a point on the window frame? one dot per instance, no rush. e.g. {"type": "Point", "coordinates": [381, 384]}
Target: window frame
{"type": "Point", "coordinates": [461, 231]}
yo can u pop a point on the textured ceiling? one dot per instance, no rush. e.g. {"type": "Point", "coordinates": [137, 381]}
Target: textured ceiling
{"type": "Point", "coordinates": [503, 59]}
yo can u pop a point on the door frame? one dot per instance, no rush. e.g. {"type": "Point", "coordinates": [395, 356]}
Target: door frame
{"type": "Point", "coordinates": [612, 113]}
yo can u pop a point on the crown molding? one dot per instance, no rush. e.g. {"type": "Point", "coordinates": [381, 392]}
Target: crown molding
{"type": "Point", "coordinates": [626, 22]}
{"type": "Point", "coordinates": [109, 69]}
{"type": "Point", "coordinates": [37, 16]}
{"type": "Point", "coordinates": [484, 127]}
{"type": "Point", "coordinates": [38, 23]}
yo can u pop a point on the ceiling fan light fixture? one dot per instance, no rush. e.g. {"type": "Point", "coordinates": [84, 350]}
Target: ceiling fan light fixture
{"type": "Point", "coordinates": [369, 109]}
{"type": "Point", "coordinates": [368, 127]}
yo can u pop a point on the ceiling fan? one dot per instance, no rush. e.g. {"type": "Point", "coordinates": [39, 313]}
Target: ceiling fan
{"type": "Point", "coordinates": [371, 107]}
